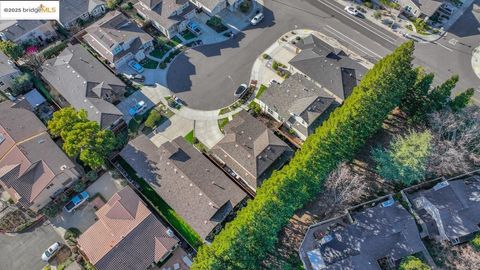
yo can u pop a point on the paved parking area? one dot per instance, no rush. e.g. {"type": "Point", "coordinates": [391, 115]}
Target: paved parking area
{"type": "Point", "coordinates": [23, 251]}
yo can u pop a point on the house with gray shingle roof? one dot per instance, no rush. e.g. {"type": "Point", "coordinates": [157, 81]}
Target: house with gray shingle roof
{"type": "Point", "coordinates": [419, 8]}
{"type": "Point", "coordinates": [450, 210]}
{"type": "Point", "coordinates": [127, 235]}
{"type": "Point", "coordinates": [117, 39]}
{"type": "Point", "coordinates": [250, 149]}
{"type": "Point", "coordinates": [24, 30]}
{"type": "Point", "coordinates": [187, 181]}
{"type": "Point", "coordinates": [71, 11]}
{"type": "Point", "coordinates": [331, 68]}
{"type": "Point", "coordinates": [363, 239]}
{"type": "Point", "coordinates": [213, 7]}
{"type": "Point", "coordinates": [169, 16]}
{"type": "Point", "coordinates": [8, 72]}
{"type": "Point", "coordinates": [84, 83]}
{"type": "Point", "coordinates": [298, 102]}
{"type": "Point", "coordinates": [33, 169]}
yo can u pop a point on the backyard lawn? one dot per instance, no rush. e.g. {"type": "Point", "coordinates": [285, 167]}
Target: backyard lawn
{"type": "Point", "coordinates": [149, 63]}
{"type": "Point", "coordinates": [163, 208]}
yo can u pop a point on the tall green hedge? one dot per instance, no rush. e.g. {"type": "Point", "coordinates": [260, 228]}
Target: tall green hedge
{"type": "Point", "coordinates": [245, 241]}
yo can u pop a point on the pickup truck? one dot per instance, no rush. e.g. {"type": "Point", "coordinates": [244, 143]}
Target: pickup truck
{"type": "Point", "coordinates": [76, 201]}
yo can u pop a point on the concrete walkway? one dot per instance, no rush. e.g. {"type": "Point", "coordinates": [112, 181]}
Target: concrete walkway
{"type": "Point", "coordinates": [208, 132]}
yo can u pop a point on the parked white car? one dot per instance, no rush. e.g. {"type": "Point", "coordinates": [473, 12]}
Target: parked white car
{"type": "Point", "coordinates": [255, 20]}
{"type": "Point", "coordinates": [352, 10]}
{"type": "Point", "coordinates": [51, 251]}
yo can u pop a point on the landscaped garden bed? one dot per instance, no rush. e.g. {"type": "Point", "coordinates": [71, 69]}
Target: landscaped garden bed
{"type": "Point", "coordinates": [216, 24]}
{"type": "Point", "coordinates": [188, 35]}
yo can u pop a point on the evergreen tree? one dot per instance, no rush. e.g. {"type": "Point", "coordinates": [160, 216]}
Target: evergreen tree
{"type": "Point", "coordinates": [246, 240]}
{"type": "Point", "coordinates": [439, 97]}
{"type": "Point", "coordinates": [462, 100]}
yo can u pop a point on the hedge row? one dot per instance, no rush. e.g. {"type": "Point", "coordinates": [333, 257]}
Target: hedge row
{"type": "Point", "coordinates": [246, 241]}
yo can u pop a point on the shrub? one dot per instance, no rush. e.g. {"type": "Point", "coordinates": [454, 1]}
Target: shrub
{"type": "Point", "coordinates": [153, 117]}
{"type": "Point", "coordinates": [255, 108]}
{"type": "Point", "coordinates": [91, 176]}
{"type": "Point", "coordinates": [413, 263]}
{"type": "Point", "coordinates": [79, 186]}
{"type": "Point", "coordinates": [51, 210]}
{"type": "Point", "coordinates": [162, 65]}
{"type": "Point", "coordinates": [54, 50]}
{"type": "Point", "coordinates": [244, 7]}
{"type": "Point", "coordinates": [475, 242]}
{"type": "Point", "coordinates": [266, 56]}
{"type": "Point", "coordinates": [245, 241]}
{"type": "Point", "coordinates": [377, 14]}
{"type": "Point", "coordinates": [21, 84]}
{"type": "Point", "coordinates": [368, 4]}
{"type": "Point", "coordinates": [71, 233]}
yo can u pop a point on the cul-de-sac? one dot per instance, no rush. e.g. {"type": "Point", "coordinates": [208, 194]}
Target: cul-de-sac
{"type": "Point", "coordinates": [240, 135]}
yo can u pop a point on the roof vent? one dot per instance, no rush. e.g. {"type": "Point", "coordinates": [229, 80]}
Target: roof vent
{"type": "Point", "coordinates": [191, 185]}
{"type": "Point", "coordinates": [41, 141]}
{"type": "Point", "coordinates": [200, 194]}
{"type": "Point", "coordinates": [63, 167]}
{"type": "Point", "coordinates": [249, 156]}
{"type": "Point", "coordinates": [170, 232]}
{"type": "Point", "coordinates": [236, 145]}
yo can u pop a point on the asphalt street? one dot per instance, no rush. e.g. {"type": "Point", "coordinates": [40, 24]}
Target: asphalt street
{"type": "Point", "coordinates": [206, 77]}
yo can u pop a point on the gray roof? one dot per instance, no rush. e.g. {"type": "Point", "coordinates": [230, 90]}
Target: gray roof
{"type": "Point", "coordinates": [458, 205]}
{"type": "Point", "coordinates": [114, 28]}
{"type": "Point", "coordinates": [16, 29]}
{"type": "Point", "coordinates": [7, 67]}
{"type": "Point", "coordinates": [328, 66]}
{"type": "Point", "coordinates": [300, 96]}
{"type": "Point", "coordinates": [71, 10]}
{"type": "Point", "coordinates": [188, 182]}
{"type": "Point", "coordinates": [249, 148]}
{"type": "Point", "coordinates": [428, 7]}
{"type": "Point", "coordinates": [209, 4]}
{"type": "Point", "coordinates": [162, 12]}
{"type": "Point", "coordinates": [30, 161]}
{"type": "Point", "coordinates": [82, 80]}
{"type": "Point", "coordinates": [376, 233]}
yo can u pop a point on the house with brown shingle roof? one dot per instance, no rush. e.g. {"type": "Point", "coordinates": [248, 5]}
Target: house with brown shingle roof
{"type": "Point", "coordinates": [249, 149]}
{"type": "Point", "coordinates": [33, 169]}
{"type": "Point", "coordinates": [127, 235]}
{"type": "Point", "coordinates": [117, 39]}
{"type": "Point", "coordinates": [187, 181]}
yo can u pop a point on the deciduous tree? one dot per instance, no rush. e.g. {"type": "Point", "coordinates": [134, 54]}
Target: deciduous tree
{"type": "Point", "coordinates": [11, 49]}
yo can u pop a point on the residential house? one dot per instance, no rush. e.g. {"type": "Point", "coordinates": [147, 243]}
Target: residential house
{"type": "Point", "coordinates": [27, 31]}
{"type": "Point", "coordinates": [377, 238]}
{"type": "Point", "coordinates": [299, 103]}
{"type": "Point", "coordinates": [8, 72]}
{"type": "Point", "coordinates": [250, 149]}
{"type": "Point", "coordinates": [84, 83]}
{"type": "Point", "coordinates": [331, 68]}
{"type": "Point", "coordinates": [213, 7]}
{"type": "Point", "coordinates": [187, 181]}
{"type": "Point", "coordinates": [169, 16]}
{"type": "Point", "coordinates": [33, 169]}
{"type": "Point", "coordinates": [419, 8]}
{"type": "Point", "coordinates": [450, 210]}
{"type": "Point", "coordinates": [74, 11]}
{"type": "Point", "coordinates": [117, 39]}
{"type": "Point", "coordinates": [127, 235]}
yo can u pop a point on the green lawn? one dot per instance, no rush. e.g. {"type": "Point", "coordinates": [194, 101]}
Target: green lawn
{"type": "Point", "coordinates": [261, 90]}
{"type": "Point", "coordinates": [160, 51]}
{"type": "Point", "coordinates": [190, 137]}
{"type": "Point", "coordinates": [222, 122]}
{"type": "Point", "coordinates": [163, 208]}
{"type": "Point", "coordinates": [175, 41]}
{"type": "Point", "coordinates": [149, 63]}
{"type": "Point", "coordinates": [188, 35]}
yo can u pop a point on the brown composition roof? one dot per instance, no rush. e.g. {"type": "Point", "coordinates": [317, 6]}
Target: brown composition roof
{"type": "Point", "coordinates": [126, 236]}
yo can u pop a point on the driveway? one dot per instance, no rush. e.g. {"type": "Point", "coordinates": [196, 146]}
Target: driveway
{"type": "Point", "coordinates": [152, 95]}
{"type": "Point", "coordinates": [84, 216]}
{"type": "Point", "coordinates": [208, 132]}
{"type": "Point", "coordinates": [172, 128]}
{"type": "Point", "coordinates": [23, 251]}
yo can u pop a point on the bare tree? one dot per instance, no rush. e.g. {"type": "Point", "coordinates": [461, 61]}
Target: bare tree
{"type": "Point", "coordinates": [456, 146]}
{"type": "Point", "coordinates": [461, 257]}
{"type": "Point", "coordinates": [342, 188]}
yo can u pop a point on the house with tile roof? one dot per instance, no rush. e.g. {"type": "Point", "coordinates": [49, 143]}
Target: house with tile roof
{"type": "Point", "coordinates": [450, 210]}
{"type": "Point", "coordinates": [33, 169]}
{"type": "Point", "coordinates": [84, 83]}
{"type": "Point", "coordinates": [169, 16]}
{"type": "Point", "coordinates": [24, 30]}
{"type": "Point", "coordinates": [127, 235]}
{"type": "Point", "coordinates": [373, 237]}
{"type": "Point", "coordinates": [117, 39]}
{"type": "Point", "coordinates": [71, 11]}
{"type": "Point", "coordinates": [250, 149]}
{"type": "Point", "coordinates": [8, 72]}
{"type": "Point", "coordinates": [187, 181]}
{"type": "Point", "coordinates": [299, 103]}
{"type": "Point", "coordinates": [331, 68]}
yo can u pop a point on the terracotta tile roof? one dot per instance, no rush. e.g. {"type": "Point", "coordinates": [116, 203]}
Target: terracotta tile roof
{"type": "Point", "coordinates": [126, 236]}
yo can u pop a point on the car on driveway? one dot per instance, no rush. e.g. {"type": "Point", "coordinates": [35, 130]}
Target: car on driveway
{"type": "Point", "coordinates": [241, 90]}
{"type": "Point", "coordinates": [76, 201]}
{"type": "Point", "coordinates": [138, 108]}
{"type": "Point", "coordinates": [135, 66]}
{"type": "Point", "coordinates": [137, 77]}
{"type": "Point", "coordinates": [194, 28]}
{"type": "Point", "coordinates": [51, 251]}
{"type": "Point", "coordinates": [352, 10]}
{"type": "Point", "coordinates": [255, 20]}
